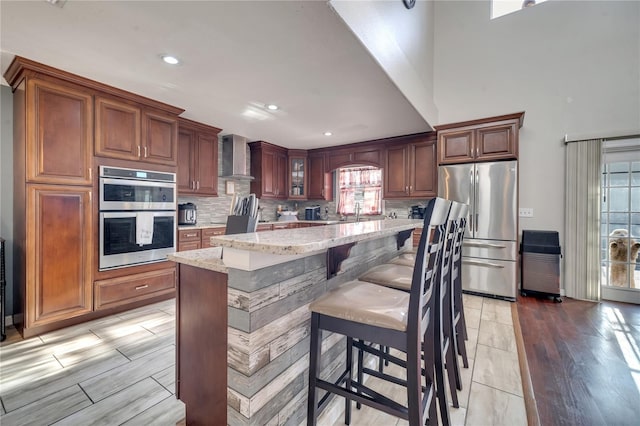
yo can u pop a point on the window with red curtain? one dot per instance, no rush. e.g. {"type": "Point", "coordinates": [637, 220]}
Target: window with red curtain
{"type": "Point", "coordinates": [362, 185]}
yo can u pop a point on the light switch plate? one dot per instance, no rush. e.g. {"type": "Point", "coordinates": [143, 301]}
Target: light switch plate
{"type": "Point", "coordinates": [526, 212]}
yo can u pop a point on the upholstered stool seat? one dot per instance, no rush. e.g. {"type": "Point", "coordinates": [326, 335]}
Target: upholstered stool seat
{"type": "Point", "coordinates": [390, 275]}
{"type": "Point", "coordinates": [366, 303]}
{"type": "Point", "coordinates": [406, 259]}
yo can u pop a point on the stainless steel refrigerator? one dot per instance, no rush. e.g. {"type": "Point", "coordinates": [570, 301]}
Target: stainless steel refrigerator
{"type": "Point", "coordinates": [490, 246]}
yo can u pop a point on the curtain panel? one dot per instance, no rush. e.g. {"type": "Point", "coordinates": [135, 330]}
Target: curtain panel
{"type": "Point", "coordinates": [582, 219]}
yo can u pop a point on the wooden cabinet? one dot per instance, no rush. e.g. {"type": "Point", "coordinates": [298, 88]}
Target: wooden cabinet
{"type": "Point", "coordinates": [128, 131]}
{"type": "Point", "coordinates": [197, 158]}
{"type": "Point", "coordinates": [488, 139]}
{"type": "Point", "coordinates": [207, 233]}
{"type": "Point", "coordinates": [189, 239]}
{"type": "Point", "coordinates": [131, 288]}
{"type": "Point", "coordinates": [63, 125]}
{"type": "Point", "coordinates": [320, 182]}
{"type": "Point", "coordinates": [368, 155]}
{"type": "Point", "coordinates": [264, 227]}
{"type": "Point", "coordinates": [410, 170]}
{"type": "Point", "coordinates": [58, 133]}
{"type": "Point", "coordinates": [58, 254]}
{"type": "Point", "coordinates": [298, 177]}
{"type": "Point", "coordinates": [118, 128]}
{"type": "Point", "coordinates": [269, 168]}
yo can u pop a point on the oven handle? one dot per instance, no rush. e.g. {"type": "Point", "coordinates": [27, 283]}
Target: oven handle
{"type": "Point", "coordinates": [112, 181]}
{"type": "Point", "coordinates": [121, 214]}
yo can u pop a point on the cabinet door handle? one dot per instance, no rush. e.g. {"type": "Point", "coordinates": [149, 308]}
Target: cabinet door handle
{"type": "Point", "coordinates": [197, 184]}
{"type": "Point", "coordinates": [140, 287]}
{"type": "Point", "coordinates": [145, 152]}
{"type": "Point", "coordinates": [90, 174]}
{"type": "Point", "coordinates": [138, 150]}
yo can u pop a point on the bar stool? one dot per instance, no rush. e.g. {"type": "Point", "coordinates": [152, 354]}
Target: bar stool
{"type": "Point", "coordinates": [387, 317]}
{"type": "Point", "coordinates": [459, 322]}
{"type": "Point", "coordinates": [396, 275]}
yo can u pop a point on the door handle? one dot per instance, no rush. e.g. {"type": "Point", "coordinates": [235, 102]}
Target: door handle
{"type": "Point", "coordinates": [138, 150]}
{"type": "Point", "coordinates": [474, 244]}
{"type": "Point", "coordinates": [145, 152]}
{"type": "Point", "coordinates": [140, 287]}
{"type": "Point", "coordinates": [484, 264]}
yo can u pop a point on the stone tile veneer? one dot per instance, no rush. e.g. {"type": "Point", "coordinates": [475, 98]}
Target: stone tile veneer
{"type": "Point", "coordinates": [269, 325]}
{"type": "Point", "coordinates": [268, 315]}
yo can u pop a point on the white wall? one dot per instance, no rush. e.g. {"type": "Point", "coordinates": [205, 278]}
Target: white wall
{"type": "Point", "coordinates": [6, 187]}
{"type": "Point", "coordinates": [572, 66]}
{"type": "Point", "coordinates": [401, 41]}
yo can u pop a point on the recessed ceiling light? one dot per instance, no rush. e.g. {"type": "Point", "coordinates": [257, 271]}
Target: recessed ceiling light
{"type": "Point", "coordinates": [273, 107]}
{"type": "Point", "coordinates": [170, 59]}
{"type": "Point", "coordinates": [328, 133]}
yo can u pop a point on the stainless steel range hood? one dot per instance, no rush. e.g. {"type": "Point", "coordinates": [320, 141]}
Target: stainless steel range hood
{"type": "Point", "coordinates": [234, 157]}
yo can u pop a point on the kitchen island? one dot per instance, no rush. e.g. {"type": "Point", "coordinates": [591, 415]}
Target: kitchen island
{"type": "Point", "coordinates": [242, 318]}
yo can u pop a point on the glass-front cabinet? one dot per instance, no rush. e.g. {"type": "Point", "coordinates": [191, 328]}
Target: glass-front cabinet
{"type": "Point", "coordinates": [298, 178]}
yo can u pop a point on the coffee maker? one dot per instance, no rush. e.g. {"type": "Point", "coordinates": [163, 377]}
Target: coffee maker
{"type": "Point", "coordinates": [312, 213]}
{"type": "Point", "coordinates": [417, 211]}
{"type": "Point", "coordinates": [187, 214]}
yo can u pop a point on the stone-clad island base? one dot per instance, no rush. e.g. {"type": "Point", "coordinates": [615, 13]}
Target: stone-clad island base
{"type": "Point", "coordinates": [258, 293]}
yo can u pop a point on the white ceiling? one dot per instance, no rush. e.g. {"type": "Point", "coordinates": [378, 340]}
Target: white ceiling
{"type": "Point", "coordinates": [236, 57]}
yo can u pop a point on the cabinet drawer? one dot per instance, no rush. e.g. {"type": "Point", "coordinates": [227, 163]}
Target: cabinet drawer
{"type": "Point", "coordinates": [188, 235]}
{"type": "Point", "coordinates": [122, 290]}
{"type": "Point", "coordinates": [188, 245]}
{"type": "Point", "coordinates": [207, 233]}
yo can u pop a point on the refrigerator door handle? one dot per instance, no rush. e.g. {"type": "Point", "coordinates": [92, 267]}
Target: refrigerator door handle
{"type": "Point", "coordinates": [486, 264]}
{"type": "Point", "coordinates": [474, 244]}
{"type": "Point", "coordinates": [475, 204]}
{"type": "Point", "coordinates": [472, 200]}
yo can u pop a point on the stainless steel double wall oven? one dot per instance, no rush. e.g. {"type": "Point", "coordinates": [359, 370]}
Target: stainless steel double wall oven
{"type": "Point", "coordinates": [131, 199]}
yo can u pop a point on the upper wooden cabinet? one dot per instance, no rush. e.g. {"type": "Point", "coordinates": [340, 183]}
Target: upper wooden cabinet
{"type": "Point", "coordinates": [57, 130]}
{"type": "Point", "coordinates": [128, 131]}
{"type": "Point", "coordinates": [269, 168]}
{"type": "Point", "coordinates": [118, 128]}
{"type": "Point", "coordinates": [298, 176]}
{"type": "Point", "coordinates": [410, 169]}
{"type": "Point", "coordinates": [487, 139]}
{"type": "Point", "coordinates": [320, 182]}
{"type": "Point", "coordinates": [369, 155]}
{"type": "Point", "coordinates": [197, 158]}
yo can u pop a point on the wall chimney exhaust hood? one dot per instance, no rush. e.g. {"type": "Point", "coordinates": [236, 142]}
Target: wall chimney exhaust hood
{"type": "Point", "coordinates": [234, 157]}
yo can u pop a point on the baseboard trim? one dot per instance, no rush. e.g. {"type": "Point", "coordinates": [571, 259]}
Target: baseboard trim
{"type": "Point", "coordinates": [530, 405]}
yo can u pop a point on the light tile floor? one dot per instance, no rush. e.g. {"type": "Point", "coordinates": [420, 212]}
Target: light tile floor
{"type": "Point", "coordinates": [120, 370]}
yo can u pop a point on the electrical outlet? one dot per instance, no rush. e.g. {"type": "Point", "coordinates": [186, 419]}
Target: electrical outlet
{"type": "Point", "coordinates": [526, 212]}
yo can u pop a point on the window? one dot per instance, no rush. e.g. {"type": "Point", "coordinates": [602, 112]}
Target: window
{"type": "Point", "coordinates": [620, 214]}
{"type": "Point", "coordinates": [504, 7]}
{"type": "Point", "coordinates": [361, 187]}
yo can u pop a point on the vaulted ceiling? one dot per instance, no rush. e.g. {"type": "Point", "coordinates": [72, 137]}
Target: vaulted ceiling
{"type": "Point", "coordinates": [236, 57]}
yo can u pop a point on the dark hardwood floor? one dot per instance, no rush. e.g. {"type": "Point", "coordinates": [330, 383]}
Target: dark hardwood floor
{"type": "Point", "coordinates": [584, 360]}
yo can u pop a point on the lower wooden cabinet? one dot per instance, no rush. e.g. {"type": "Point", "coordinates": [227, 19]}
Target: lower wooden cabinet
{"type": "Point", "coordinates": [131, 288]}
{"type": "Point", "coordinates": [207, 233]}
{"type": "Point", "coordinates": [58, 254]}
{"type": "Point", "coordinates": [189, 239]}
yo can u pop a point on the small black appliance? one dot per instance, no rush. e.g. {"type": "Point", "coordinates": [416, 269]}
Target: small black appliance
{"type": "Point", "coordinates": [312, 213]}
{"type": "Point", "coordinates": [187, 214]}
{"type": "Point", "coordinates": [417, 211]}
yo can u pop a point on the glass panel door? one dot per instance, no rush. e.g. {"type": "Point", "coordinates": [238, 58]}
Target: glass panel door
{"type": "Point", "coordinates": [620, 231]}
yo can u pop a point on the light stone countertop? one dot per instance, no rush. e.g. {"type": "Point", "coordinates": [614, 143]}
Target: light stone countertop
{"type": "Point", "coordinates": [313, 239]}
{"type": "Point", "coordinates": [274, 222]}
{"type": "Point", "coordinates": [207, 258]}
